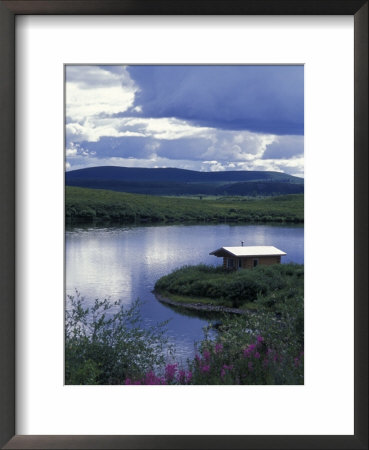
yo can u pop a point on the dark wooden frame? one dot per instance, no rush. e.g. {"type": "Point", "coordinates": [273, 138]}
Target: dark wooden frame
{"type": "Point", "coordinates": [8, 11]}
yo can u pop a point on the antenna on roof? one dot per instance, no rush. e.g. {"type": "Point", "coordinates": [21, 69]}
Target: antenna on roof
{"type": "Point", "coordinates": [242, 243]}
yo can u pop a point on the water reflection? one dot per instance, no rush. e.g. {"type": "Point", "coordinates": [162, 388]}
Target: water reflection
{"type": "Point", "coordinates": [124, 263]}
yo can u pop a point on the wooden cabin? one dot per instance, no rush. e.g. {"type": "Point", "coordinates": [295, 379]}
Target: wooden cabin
{"type": "Point", "coordinates": [247, 257]}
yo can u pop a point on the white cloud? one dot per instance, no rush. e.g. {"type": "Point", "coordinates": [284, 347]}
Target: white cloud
{"type": "Point", "coordinates": [92, 90]}
{"type": "Point", "coordinates": [71, 151]}
{"type": "Point", "coordinates": [92, 130]}
{"type": "Point", "coordinates": [294, 166]}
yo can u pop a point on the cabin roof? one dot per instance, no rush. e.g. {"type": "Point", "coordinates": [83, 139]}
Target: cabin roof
{"type": "Point", "coordinates": [255, 250]}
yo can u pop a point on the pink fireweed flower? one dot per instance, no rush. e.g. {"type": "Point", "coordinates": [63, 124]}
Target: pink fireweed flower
{"type": "Point", "coordinates": [260, 339]}
{"type": "Point", "coordinates": [181, 377]}
{"type": "Point", "coordinates": [257, 355]}
{"type": "Point", "coordinates": [205, 369]}
{"type": "Point", "coordinates": [132, 382]}
{"type": "Point", "coordinates": [248, 350]}
{"type": "Point", "coordinates": [224, 368]}
{"type": "Point", "coordinates": [189, 377]}
{"type": "Point", "coordinates": [170, 371]}
{"type": "Point", "coordinates": [218, 347]}
{"type": "Point", "coordinates": [152, 379]}
{"type": "Point", "coordinates": [206, 355]}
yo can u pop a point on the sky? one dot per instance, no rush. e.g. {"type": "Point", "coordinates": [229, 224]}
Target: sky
{"type": "Point", "coordinates": [206, 118]}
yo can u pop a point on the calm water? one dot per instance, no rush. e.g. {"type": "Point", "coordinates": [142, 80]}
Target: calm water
{"type": "Point", "coordinates": [124, 263]}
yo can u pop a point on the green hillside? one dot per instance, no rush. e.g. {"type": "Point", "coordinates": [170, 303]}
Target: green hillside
{"type": "Point", "coordinates": [82, 204]}
{"type": "Point", "coordinates": [173, 181]}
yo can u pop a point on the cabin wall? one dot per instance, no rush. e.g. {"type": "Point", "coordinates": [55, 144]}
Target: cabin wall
{"type": "Point", "coordinates": [248, 262]}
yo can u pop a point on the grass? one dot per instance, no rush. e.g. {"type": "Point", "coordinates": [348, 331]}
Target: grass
{"type": "Point", "coordinates": [94, 204]}
{"type": "Point", "coordinates": [264, 288]}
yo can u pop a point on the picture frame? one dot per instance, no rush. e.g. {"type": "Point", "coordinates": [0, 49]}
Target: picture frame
{"type": "Point", "coordinates": [8, 11]}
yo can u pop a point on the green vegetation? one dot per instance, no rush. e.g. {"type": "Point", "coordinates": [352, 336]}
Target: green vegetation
{"type": "Point", "coordinates": [106, 343]}
{"type": "Point", "coordinates": [268, 288]}
{"type": "Point", "coordinates": [252, 349]}
{"type": "Point", "coordinates": [94, 204]}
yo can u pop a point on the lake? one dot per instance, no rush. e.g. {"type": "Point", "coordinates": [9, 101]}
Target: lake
{"type": "Point", "coordinates": [125, 262]}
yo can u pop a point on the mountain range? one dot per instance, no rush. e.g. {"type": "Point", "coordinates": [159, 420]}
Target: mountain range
{"type": "Point", "coordinates": [173, 181]}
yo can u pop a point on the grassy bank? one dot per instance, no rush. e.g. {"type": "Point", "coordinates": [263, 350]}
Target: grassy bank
{"type": "Point", "coordinates": [269, 288]}
{"type": "Point", "coordinates": [93, 204]}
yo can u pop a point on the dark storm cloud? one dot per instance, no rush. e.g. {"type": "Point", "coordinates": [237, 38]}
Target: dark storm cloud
{"type": "Point", "coordinates": [267, 99]}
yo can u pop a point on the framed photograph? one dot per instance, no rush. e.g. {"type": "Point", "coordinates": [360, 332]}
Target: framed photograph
{"type": "Point", "coordinates": [195, 158]}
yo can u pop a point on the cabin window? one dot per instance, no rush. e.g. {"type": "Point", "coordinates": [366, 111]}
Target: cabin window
{"type": "Point", "coordinates": [240, 263]}
{"type": "Point", "coordinates": [230, 263]}
{"type": "Point", "coordinates": [256, 262]}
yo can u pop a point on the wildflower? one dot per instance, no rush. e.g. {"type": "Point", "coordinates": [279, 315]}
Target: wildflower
{"type": "Point", "coordinates": [128, 381]}
{"type": "Point", "coordinates": [218, 347]}
{"type": "Point", "coordinates": [189, 377]}
{"type": "Point", "coordinates": [260, 339]}
{"type": "Point", "coordinates": [170, 371]}
{"type": "Point", "coordinates": [224, 368]}
{"type": "Point", "coordinates": [152, 379]}
{"type": "Point", "coordinates": [248, 350]}
{"type": "Point", "coordinates": [184, 377]}
{"type": "Point", "coordinates": [257, 355]}
{"type": "Point", "coordinates": [205, 369]}
{"type": "Point", "coordinates": [181, 377]}
{"type": "Point", "coordinates": [206, 355]}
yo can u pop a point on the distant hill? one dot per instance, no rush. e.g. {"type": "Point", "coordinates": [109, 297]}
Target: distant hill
{"type": "Point", "coordinates": [171, 181]}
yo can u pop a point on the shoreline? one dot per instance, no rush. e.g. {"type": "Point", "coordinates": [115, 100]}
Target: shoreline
{"type": "Point", "coordinates": [201, 307]}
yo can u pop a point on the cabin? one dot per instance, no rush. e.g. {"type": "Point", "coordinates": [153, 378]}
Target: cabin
{"type": "Point", "coordinates": [247, 257]}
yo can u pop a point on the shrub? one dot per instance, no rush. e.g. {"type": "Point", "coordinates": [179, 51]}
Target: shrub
{"type": "Point", "coordinates": [105, 343]}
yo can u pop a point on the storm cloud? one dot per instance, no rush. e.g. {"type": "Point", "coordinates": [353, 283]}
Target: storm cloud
{"type": "Point", "coordinates": [197, 117]}
{"type": "Point", "coordinates": [266, 99]}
